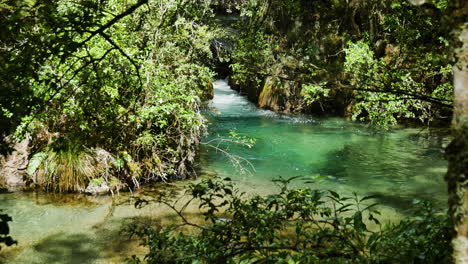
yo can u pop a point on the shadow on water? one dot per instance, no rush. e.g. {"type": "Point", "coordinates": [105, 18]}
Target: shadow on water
{"type": "Point", "coordinates": [106, 243]}
{"type": "Point", "coordinates": [396, 170]}
{"type": "Point", "coordinates": [405, 205]}
{"type": "Point", "coordinates": [66, 248]}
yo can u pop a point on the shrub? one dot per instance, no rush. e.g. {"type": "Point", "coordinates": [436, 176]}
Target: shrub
{"type": "Point", "coordinates": [64, 166]}
{"type": "Point", "coordinates": [301, 225]}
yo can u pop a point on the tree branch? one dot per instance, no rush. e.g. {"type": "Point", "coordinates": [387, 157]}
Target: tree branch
{"type": "Point", "coordinates": [108, 39]}
{"type": "Point", "coordinates": [91, 61]}
{"type": "Point", "coordinates": [441, 102]}
{"type": "Point", "coordinates": [113, 21]}
{"type": "Point", "coordinates": [401, 92]}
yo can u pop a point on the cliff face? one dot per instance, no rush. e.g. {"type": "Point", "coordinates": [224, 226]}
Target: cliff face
{"type": "Point", "coordinates": [13, 167]}
{"type": "Point", "coordinates": [281, 95]}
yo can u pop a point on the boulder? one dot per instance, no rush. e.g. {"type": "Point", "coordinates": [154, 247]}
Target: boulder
{"type": "Point", "coordinates": [281, 95]}
{"type": "Point", "coordinates": [13, 167]}
{"type": "Point", "coordinates": [97, 189]}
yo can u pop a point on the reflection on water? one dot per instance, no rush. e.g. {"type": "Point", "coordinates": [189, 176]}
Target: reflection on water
{"type": "Point", "coordinates": [398, 166]}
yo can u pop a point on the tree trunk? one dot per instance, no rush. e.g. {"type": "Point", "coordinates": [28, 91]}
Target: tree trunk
{"type": "Point", "coordinates": [457, 155]}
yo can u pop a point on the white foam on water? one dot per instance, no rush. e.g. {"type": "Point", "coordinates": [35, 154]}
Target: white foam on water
{"type": "Point", "coordinates": [230, 103]}
{"type": "Point", "coordinates": [221, 85]}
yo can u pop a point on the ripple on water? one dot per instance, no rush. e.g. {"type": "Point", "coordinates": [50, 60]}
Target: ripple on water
{"type": "Point", "coordinates": [400, 163]}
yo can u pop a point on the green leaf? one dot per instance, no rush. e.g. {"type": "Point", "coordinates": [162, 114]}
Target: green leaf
{"type": "Point", "coordinates": [335, 194]}
{"type": "Point", "coordinates": [35, 162]}
{"type": "Point", "coordinates": [358, 223]}
{"type": "Point", "coordinates": [368, 197]}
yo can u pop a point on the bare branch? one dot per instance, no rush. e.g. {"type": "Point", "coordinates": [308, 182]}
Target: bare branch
{"type": "Point", "coordinates": [236, 160]}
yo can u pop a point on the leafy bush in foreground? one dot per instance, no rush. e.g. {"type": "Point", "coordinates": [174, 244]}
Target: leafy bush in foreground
{"type": "Point", "coordinates": [296, 225]}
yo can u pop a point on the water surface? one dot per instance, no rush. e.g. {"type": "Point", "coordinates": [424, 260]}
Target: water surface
{"type": "Point", "coordinates": [399, 166]}
{"type": "Point", "coordinates": [78, 229]}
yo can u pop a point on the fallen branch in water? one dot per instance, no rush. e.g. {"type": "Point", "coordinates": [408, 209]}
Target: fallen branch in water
{"type": "Point", "coordinates": [236, 160]}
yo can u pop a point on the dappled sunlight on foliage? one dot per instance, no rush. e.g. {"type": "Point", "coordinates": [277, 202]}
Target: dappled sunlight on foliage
{"type": "Point", "coordinates": [130, 83]}
{"type": "Point", "coordinates": [385, 62]}
{"type": "Point", "coordinates": [294, 225]}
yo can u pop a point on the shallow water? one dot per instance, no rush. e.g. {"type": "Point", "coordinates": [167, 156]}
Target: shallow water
{"type": "Point", "coordinates": [399, 166]}
{"type": "Point", "coordinates": [74, 228]}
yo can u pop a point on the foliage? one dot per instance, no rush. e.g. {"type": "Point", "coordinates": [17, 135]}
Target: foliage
{"type": "Point", "coordinates": [253, 53]}
{"type": "Point", "coordinates": [97, 182]}
{"type": "Point", "coordinates": [314, 93]}
{"type": "Point", "coordinates": [64, 167]}
{"type": "Point", "coordinates": [422, 238]}
{"type": "Point", "coordinates": [379, 61]}
{"type": "Point", "coordinates": [125, 76]}
{"type": "Point", "coordinates": [387, 94]}
{"type": "Point", "coordinates": [411, 79]}
{"type": "Point", "coordinates": [244, 140]}
{"type": "Point", "coordinates": [295, 225]}
{"type": "Point", "coordinates": [5, 231]}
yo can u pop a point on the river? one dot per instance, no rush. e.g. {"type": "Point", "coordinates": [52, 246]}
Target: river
{"type": "Point", "coordinates": [398, 166]}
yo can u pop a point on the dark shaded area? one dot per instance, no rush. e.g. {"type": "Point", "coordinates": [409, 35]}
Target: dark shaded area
{"type": "Point", "coordinates": [222, 69]}
{"type": "Point", "coordinates": [5, 237]}
{"type": "Point", "coordinates": [67, 248]}
{"type": "Point", "coordinates": [109, 243]}
{"type": "Point", "coordinates": [405, 204]}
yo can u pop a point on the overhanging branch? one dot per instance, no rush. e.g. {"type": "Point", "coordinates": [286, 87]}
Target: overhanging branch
{"type": "Point", "coordinates": [438, 101]}
{"type": "Point", "coordinates": [113, 21]}
{"type": "Point", "coordinates": [108, 39]}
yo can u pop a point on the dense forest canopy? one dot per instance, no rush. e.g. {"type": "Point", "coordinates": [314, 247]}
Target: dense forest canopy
{"type": "Point", "coordinates": [111, 91]}
{"type": "Point", "coordinates": [383, 61]}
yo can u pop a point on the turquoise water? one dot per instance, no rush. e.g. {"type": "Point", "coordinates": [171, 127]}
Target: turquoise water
{"type": "Point", "coordinates": [398, 166]}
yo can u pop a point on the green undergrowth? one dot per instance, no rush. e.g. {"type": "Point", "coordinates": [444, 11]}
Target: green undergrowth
{"type": "Point", "coordinates": [294, 225]}
{"type": "Point", "coordinates": [124, 78]}
{"type": "Point", "coordinates": [378, 61]}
